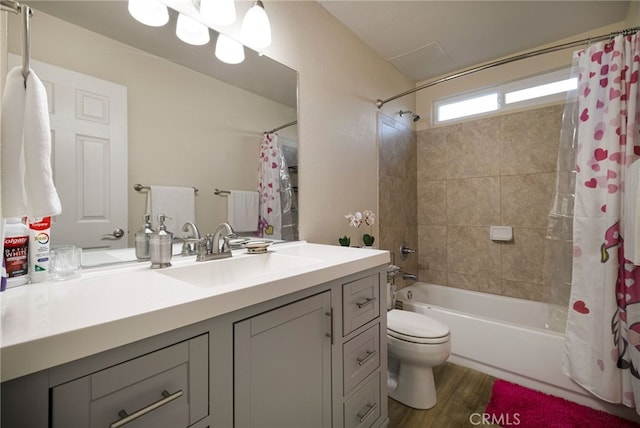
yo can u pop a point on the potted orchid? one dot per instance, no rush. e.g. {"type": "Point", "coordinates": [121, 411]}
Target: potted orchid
{"type": "Point", "coordinates": [367, 217]}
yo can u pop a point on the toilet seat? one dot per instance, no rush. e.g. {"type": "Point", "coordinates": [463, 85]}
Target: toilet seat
{"type": "Point", "coordinates": [416, 328]}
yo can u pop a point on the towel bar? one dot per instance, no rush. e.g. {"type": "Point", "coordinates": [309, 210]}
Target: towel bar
{"type": "Point", "coordinates": [141, 188]}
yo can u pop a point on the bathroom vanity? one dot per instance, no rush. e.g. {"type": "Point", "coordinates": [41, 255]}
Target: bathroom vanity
{"type": "Point", "coordinates": [294, 337]}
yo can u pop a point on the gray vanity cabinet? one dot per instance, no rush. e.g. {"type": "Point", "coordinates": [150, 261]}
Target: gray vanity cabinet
{"type": "Point", "coordinates": [282, 366]}
{"type": "Point", "coordinates": [313, 358]}
{"type": "Point", "coordinates": [167, 388]}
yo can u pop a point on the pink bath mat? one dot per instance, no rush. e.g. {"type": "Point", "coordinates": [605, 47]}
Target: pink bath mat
{"type": "Point", "coordinates": [513, 405]}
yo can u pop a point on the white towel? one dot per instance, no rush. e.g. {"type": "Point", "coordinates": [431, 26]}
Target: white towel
{"type": "Point", "coordinates": [631, 213]}
{"type": "Point", "coordinates": [177, 203]}
{"type": "Point", "coordinates": [242, 210]}
{"type": "Point", "coordinates": [27, 178]}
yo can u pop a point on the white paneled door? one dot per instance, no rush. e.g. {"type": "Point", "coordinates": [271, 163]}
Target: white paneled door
{"type": "Point", "coordinates": [89, 155]}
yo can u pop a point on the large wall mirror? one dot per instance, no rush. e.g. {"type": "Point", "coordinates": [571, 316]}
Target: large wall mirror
{"type": "Point", "coordinates": [190, 119]}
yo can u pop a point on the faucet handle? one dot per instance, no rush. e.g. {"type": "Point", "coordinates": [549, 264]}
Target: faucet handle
{"type": "Point", "coordinates": [202, 249]}
{"type": "Point", "coordinates": [405, 250]}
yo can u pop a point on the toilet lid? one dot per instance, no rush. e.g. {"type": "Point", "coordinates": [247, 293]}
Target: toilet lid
{"type": "Point", "coordinates": [415, 325]}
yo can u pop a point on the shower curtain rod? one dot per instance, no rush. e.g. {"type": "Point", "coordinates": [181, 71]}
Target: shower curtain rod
{"type": "Point", "coordinates": [625, 32]}
{"type": "Point", "coordinates": [286, 125]}
{"type": "Point", "coordinates": [27, 12]}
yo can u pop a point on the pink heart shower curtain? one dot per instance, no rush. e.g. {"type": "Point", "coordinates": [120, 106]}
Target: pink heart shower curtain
{"type": "Point", "coordinates": [271, 163]}
{"type": "Point", "coordinates": [603, 322]}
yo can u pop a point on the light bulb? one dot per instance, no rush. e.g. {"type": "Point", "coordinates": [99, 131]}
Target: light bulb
{"type": "Point", "coordinates": [228, 50]}
{"type": "Point", "coordinates": [191, 31]}
{"type": "Point", "coordinates": [256, 30]}
{"type": "Point", "coordinates": [149, 12]}
{"type": "Point", "coordinates": [218, 12]}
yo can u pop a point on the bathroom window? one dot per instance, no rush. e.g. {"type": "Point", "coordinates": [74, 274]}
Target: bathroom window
{"type": "Point", "coordinates": [469, 106]}
{"type": "Point", "coordinates": [542, 89]}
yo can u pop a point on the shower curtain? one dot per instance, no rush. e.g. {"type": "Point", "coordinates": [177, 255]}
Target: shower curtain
{"type": "Point", "coordinates": [274, 187]}
{"type": "Point", "coordinates": [603, 319]}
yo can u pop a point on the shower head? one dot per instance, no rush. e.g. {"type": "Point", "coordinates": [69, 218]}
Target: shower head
{"type": "Point", "coordinates": [415, 117]}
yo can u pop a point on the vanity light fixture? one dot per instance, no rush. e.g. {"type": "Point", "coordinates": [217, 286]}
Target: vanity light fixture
{"type": "Point", "coordinates": [219, 12]}
{"type": "Point", "coordinates": [191, 31]}
{"type": "Point", "coordinates": [256, 30]}
{"type": "Point", "coordinates": [229, 50]}
{"type": "Point", "coordinates": [149, 12]}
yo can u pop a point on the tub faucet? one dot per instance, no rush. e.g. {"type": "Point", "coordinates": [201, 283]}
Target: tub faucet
{"type": "Point", "coordinates": [410, 276]}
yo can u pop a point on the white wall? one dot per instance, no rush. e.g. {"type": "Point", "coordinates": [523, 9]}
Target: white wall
{"type": "Point", "coordinates": [339, 80]}
{"type": "Point", "coordinates": [633, 14]}
{"type": "Point", "coordinates": [502, 74]}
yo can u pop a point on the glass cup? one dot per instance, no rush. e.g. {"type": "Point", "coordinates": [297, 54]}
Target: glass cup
{"type": "Point", "coordinates": [65, 262]}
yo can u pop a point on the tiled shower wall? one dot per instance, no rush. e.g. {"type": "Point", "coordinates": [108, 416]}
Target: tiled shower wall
{"type": "Point", "coordinates": [472, 175]}
{"type": "Point", "coordinates": [397, 181]}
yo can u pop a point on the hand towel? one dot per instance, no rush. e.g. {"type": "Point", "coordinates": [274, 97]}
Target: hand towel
{"type": "Point", "coordinates": [631, 213]}
{"type": "Point", "coordinates": [242, 210]}
{"type": "Point", "coordinates": [177, 203]}
{"type": "Point", "coordinates": [27, 178]}
{"type": "Point", "coordinates": [14, 198]}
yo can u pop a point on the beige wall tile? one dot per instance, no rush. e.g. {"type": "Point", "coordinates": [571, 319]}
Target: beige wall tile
{"type": "Point", "coordinates": [432, 202]}
{"type": "Point", "coordinates": [471, 252]}
{"type": "Point", "coordinates": [398, 190]}
{"type": "Point", "coordinates": [432, 154]}
{"type": "Point", "coordinates": [529, 141]}
{"type": "Point", "coordinates": [526, 199]}
{"type": "Point", "coordinates": [472, 175]}
{"type": "Point", "coordinates": [523, 259]}
{"type": "Point", "coordinates": [473, 201]}
{"type": "Point", "coordinates": [397, 155]}
{"type": "Point", "coordinates": [523, 290]}
{"type": "Point", "coordinates": [473, 149]}
{"type": "Point", "coordinates": [475, 283]}
{"type": "Point", "coordinates": [433, 277]}
{"type": "Point", "coordinates": [432, 254]}
{"type": "Point", "coordinates": [392, 205]}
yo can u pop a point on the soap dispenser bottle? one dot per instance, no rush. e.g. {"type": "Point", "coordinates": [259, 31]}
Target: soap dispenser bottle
{"type": "Point", "coordinates": [160, 245]}
{"type": "Point", "coordinates": [142, 239]}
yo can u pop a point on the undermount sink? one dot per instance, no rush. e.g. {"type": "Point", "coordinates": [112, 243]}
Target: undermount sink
{"type": "Point", "coordinates": [241, 268]}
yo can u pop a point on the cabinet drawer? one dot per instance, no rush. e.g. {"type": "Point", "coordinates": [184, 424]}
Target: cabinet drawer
{"type": "Point", "coordinates": [167, 388]}
{"type": "Point", "coordinates": [361, 356]}
{"type": "Point", "coordinates": [360, 302]}
{"type": "Point", "coordinates": [363, 408]}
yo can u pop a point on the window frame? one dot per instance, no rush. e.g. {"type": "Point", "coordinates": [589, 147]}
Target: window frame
{"type": "Point", "coordinates": [503, 90]}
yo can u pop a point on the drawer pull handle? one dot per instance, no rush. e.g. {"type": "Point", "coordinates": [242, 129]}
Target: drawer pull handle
{"type": "Point", "coordinates": [370, 409]}
{"type": "Point", "coordinates": [362, 361]}
{"type": "Point", "coordinates": [126, 418]}
{"type": "Point", "coordinates": [367, 301]}
{"type": "Point", "coordinates": [330, 314]}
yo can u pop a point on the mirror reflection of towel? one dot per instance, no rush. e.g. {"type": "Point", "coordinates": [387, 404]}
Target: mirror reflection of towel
{"type": "Point", "coordinates": [242, 210]}
{"type": "Point", "coordinates": [177, 203]}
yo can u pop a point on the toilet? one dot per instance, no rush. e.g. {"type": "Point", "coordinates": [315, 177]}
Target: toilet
{"type": "Point", "coordinates": [416, 343]}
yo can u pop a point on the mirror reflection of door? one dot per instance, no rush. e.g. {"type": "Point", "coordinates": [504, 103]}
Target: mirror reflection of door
{"type": "Point", "coordinates": [89, 156]}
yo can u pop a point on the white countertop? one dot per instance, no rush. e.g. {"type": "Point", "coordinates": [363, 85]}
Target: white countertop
{"type": "Point", "coordinates": [51, 323]}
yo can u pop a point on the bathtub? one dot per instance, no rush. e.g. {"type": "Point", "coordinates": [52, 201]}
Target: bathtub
{"type": "Point", "coordinates": [504, 337]}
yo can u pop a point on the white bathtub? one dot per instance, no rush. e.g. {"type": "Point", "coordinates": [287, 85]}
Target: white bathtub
{"type": "Point", "coordinates": [504, 337]}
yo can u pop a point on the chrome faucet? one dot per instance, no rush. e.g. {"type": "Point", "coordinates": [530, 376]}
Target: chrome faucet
{"type": "Point", "coordinates": [209, 247]}
{"type": "Point", "coordinates": [226, 247]}
{"type": "Point", "coordinates": [405, 250]}
{"type": "Point", "coordinates": [190, 242]}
